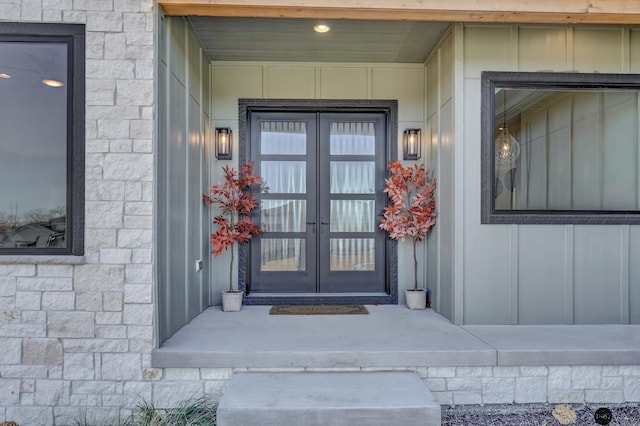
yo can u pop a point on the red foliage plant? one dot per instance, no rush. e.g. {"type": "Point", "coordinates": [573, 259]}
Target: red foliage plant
{"type": "Point", "coordinates": [236, 201]}
{"type": "Point", "coordinates": [412, 205]}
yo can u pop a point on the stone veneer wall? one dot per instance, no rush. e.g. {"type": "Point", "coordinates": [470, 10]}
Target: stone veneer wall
{"type": "Point", "coordinates": [76, 334]}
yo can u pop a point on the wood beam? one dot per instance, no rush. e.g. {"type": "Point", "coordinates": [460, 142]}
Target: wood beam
{"type": "Point", "coordinates": [495, 11]}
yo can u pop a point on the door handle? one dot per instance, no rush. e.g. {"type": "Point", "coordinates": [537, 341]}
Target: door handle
{"type": "Point", "coordinates": [323, 221]}
{"type": "Point", "coordinates": [312, 222]}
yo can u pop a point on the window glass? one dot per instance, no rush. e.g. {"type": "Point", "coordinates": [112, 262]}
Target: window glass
{"type": "Point", "coordinates": [561, 148]}
{"type": "Point", "coordinates": [40, 146]}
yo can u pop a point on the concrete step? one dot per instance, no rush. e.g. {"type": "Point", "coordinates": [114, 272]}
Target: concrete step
{"type": "Point", "coordinates": [385, 398]}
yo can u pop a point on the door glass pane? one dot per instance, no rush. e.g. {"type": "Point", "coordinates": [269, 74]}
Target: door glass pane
{"type": "Point", "coordinates": [353, 177]}
{"type": "Point", "coordinates": [352, 254]}
{"type": "Point", "coordinates": [284, 177]}
{"type": "Point", "coordinates": [283, 138]}
{"type": "Point", "coordinates": [33, 145]}
{"type": "Point", "coordinates": [283, 215]}
{"type": "Point", "coordinates": [353, 139]}
{"type": "Point", "coordinates": [283, 254]}
{"type": "Point", "coordinates": [352, 216]}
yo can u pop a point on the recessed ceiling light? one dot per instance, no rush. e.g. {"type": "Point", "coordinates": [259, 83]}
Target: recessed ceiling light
{"type": "Point", "coordinates": [321, 28]}
{"type": "Point", "coordinates": [53, 83]}
{"type": "Point", "coordinates": [3, 75]}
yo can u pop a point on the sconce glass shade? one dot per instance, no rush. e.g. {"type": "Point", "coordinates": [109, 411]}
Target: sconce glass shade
{"type": "Point", "coordinates": [411, 144]}
{"type": "Point", "coordinates": [223, 143]}
{"type": "Point", "coordinates": [506, 146]}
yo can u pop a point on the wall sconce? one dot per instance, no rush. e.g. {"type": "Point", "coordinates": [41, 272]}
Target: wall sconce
{"type": "Point", "coordinates": [223, 143]}
{"type": "Point", "coordinates": [411, 144]}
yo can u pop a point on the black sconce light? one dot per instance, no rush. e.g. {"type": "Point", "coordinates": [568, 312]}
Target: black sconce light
{"type": "Point", "coordinates": [223, 143]}
{"type": "Point", "coordinates": [411, 144]}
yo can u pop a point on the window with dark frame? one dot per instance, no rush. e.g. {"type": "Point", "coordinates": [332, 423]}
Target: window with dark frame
{"type": "Point", "coordinates": [42, 98]}
{"type": "Point", "coordinates": [560, 148]}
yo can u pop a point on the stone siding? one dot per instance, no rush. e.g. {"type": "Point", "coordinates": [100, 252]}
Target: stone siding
{"type": "Point", "coordinates": [76, 334]}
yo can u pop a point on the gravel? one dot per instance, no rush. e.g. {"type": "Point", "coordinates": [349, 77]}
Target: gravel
{"type": "Point", "coordinates": [538, 415]}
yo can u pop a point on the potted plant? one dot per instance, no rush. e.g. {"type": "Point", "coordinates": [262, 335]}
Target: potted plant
{"type": "Point", "coordinates": [410, 214]}
{"type": "Point", "coordinates": [236, 201]}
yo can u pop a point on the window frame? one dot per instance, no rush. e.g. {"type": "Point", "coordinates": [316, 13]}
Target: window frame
{"type": "Point", "coordinates": [490, 80]}
{"type": "Point", "coordinates": [74, 36]}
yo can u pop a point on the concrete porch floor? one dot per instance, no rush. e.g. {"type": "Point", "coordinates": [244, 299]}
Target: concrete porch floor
{"type": "Point", "coordinates": [390, 336]}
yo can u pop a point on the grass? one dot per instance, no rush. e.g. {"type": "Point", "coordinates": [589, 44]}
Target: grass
{"type": "Point", "coordinates": [198, 412]}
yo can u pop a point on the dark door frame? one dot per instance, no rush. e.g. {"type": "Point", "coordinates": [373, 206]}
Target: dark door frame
{"type": "Point", "coordinates": [390, 109]}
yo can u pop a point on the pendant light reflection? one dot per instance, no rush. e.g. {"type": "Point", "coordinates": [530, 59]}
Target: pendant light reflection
{"type": "Point", "coordinates": [507, 147]}
{"type": "Point", "coordinates": [52, 83]}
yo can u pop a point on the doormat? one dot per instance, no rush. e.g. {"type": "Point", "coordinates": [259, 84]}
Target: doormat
{"type": "Point", "coordinates": [318, 310]}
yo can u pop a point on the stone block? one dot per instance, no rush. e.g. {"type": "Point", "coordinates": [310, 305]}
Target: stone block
{"type": "Point", "coordinates": [17, 270]}
{"type": "Point", "coordinates": [115, 256]}
{"type": "Point", "coordinates": [120, 145]}
{"type": "Point", "coordinates": [128, 166]}
{"type": "Point", "coordinates": [23, 330]}
{"type": "Point", "coordinates": [137, 293]}
{"type": "Point", "coordinates": [629, 370]}
{"type": "Point", "coordinates": [171, 394]}
{"type": "Point", "coordinates": [58, 300]}
{"type": "Point", "coordinates": [467, 397]}
{"type": "Point", "coordinates": [499, 390]}
{"type": "Point", "coordinates": [141, 256]}
{"type": "Point", "coordinates": [100, 238]}
{"type": "Point", "coordinates": [78, 366]}
{"type": "Point", "coordinates": [444, 398]}
{"type": "Point", "coordinates": [45, 351]}
{"type": "Point", "coordinates": [506, 371]}
{"type": "Point", "coordinates": [112, 190]}
{"type": "Point", "coordinates": [586, 377]}
{"type": "Point", "coordinates": [141, 129]}
{"type": "Point", "coordinates": [44, 284]}
{"type": "Point", "coordinates": [565, 396]}
{"type": "Point", "coordinates": [610, 396]}
{"type": "Point", "coordinates": [138, 208]}
{"type": "Point", "coordinates": [127, 5]}
{"type": "Point", "coordinates": [52, 392]}
{"type": "Point", "coordinates": [181, 374]}
{"type": "Point", "coordinates": [10, 350]}
{"type": "Point", "coordinates": [121, 367]}
{"type": "Point", "coordinates": [464, 384]}
{"type": "Point", "coordinates": [138, 274]}
{"type": "Point", "coordinates": [134, 22]}
{"type": "Point", "coordinates": [474, 372]}
{"type": "Point", "coordinates": [92, 5]}
{"type": "Point", "coordinates": [21, 371]}
{"type": "Point", "coordinates": [632, 389]}
{"type": "Point", "coordinates": [41, 416]}
{"type": "Point", "coordinates": [214, 389]}
{"type": "Point", "coordinates": [139, 52]}
{"type": "Point", "coordinates": [104, 21]}
{"type": "Point", "coordinates": [95, 278]}
{"type": "Point", "coordinates": [533, 371]}
{"type": "Point", "coordinates": [134, 92]}
{"type": "Point", "coordinates": [135, 393]}
{"type": "Point", "coordinates": [28, 300]}
{"type": "Point", "coordinates": [60, 271]}
{"type": "Point", "coordinates": [7, 286]}
{"type": "Point", "coordinates": [105, 318]}
{"type": "Point", "coordinates": [7, 303]}
{"type": "Point", "coordinates": [138, 314]}
{"type": "Point", "coordinates": [70, 324]}
{"type": "Point", "coordinates": [531, 389]}
{"type": "Point", "coordinates": [34, 317]}
{"type": "Point", "coordinates": [104, 214]}
{"type": "Point", "coordinates": [559, 377]}
{"type": "Point", "coordinates": [135, 238]}
{"type": "Point", "coordinates": [139, 332]}
{"type": "Point", "coordinates": [139, 222]}
{"type": "Point", "coordinates": [441, 372]}
{"type": "Point", "coordinates": [111, 331]}
{"type": "Point", "coordinates": [93, 387]}
{"type": "Point", "coordinates": [112, 301]}
{"type": "Point", "coordinates": [31, 10]}
{"type": "Point", "coordinates": [152, 374]}
{"type": "Point", "coordinates": [115, 45]}
{"type": "Point", "coordinates": [611, 383]}
{"type": "Point", "coordinates": [143, 145]}
{"type": "Point", "coordinates": [91, 302]}
{"type": "Point", "coordinates": [95, 345]}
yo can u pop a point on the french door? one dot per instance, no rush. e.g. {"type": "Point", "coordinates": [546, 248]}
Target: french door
{"type": "Point", "coordinates": [320, 204]}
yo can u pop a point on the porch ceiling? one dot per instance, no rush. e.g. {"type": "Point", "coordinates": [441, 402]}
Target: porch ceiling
{"type": "Point", "coordinates": [274, 39]}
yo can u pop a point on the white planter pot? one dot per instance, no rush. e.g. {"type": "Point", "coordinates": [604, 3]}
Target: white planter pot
{"type": "Point", "coordinates": [416, 299]}
{"type": "Point", "coordinates": [231, 301]}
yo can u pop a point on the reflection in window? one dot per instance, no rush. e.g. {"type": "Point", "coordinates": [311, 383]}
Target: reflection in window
{"type": "Point", "coordinates": [574, 150]}
{"type": "Point", "coordinates": [37, 140]}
